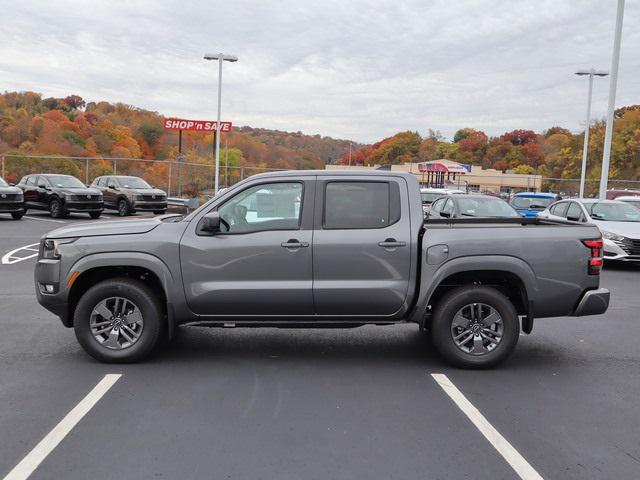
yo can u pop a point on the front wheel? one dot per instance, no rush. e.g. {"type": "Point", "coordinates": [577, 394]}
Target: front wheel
{"type": "Point", "coordinates": [95, 214]}
{"type": "Point", "coordinates": [119, 321]}
{"type": "Point", "coordinates": [17, 215]}
{"type": "Point", "coordinates": [159, 212]}
{"type": "Point", "coordinates": [55, 208]}
{"type": "Point", "coordinates": [123, 208]}
{"type": "Point", "coordinates": [475, 327]}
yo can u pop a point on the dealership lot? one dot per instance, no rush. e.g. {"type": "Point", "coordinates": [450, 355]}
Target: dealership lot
{"type": "Point", "coordinates": [291, 404]}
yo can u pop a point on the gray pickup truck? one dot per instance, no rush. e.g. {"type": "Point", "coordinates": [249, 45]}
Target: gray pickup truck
{"type": "Point", "coordinates": [319, 248]}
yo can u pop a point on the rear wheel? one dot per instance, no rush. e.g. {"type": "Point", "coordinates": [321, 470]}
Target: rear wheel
{"type": "Point", "coordinates": [123, 208]}
{"type": "Point", "coordinates": [119, 321]}
{"type": "Point", "coordinates": [475, 327]}
{"type": "Point", "coordinates": [55, 208]}
{"type": "Point", "coordinates": [17, 215]}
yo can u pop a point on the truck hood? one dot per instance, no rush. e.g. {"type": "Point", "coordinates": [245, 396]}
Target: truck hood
{"type": "Point", "coordinates": [99, 229]}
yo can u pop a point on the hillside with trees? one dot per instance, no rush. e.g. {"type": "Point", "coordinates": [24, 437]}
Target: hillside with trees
{"type": "Point", "coordinates": [554, 153]}
{"type": "Point", "coordinates": [70, 127]}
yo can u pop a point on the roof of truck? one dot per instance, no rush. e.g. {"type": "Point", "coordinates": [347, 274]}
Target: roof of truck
{"type": "Point", "coordinates": [335, 173]}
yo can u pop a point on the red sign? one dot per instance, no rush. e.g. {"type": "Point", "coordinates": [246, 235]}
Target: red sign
{"type": "Point", "coordinates": [200, 125]}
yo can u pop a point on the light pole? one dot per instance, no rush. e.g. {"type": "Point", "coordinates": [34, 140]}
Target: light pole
{"type": "Point", "coordinates": [585, 148]}
{"type": "Point", "coordinates": [613, 82]}
{"type": "Point", "coordinates": [220, 57]}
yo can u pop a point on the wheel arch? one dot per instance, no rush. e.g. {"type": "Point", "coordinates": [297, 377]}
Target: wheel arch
{"type": "Point", "coordinates": [146, 268]}
{"type": "Point", "coordinates": [511, 276]}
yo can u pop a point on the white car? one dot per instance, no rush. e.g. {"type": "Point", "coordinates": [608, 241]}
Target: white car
{"type": "Point", "coordinates": [633, 201]}
{"type": "Point", "coordinates": [619, 223]}
{"type": "Point", "coordinates": [428, 196]}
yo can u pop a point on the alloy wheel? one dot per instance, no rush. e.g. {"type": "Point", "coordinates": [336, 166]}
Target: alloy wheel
{"type": "Point", "coordinates": [477, 329]}
{"type": "Point", "coordinates": [116, 323]}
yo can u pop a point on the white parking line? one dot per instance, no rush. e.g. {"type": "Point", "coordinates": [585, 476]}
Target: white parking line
{"type": "Point", "coordinates": [14, 255]}
{"type": "Point", "coordinates": [44, 219]}
{"type": "Point", "coordinates": [504, 448]}
{"type": "Point", "coordinates": [35, 457]}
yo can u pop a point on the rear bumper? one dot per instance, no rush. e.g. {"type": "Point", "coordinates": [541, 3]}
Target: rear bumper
{"type": "Point", "coordinates": [593, 302]}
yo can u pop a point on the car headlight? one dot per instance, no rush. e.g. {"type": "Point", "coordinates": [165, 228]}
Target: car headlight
{"type": "Point", "coordinates": [49, 247]}
{"type": "Point", "coordinates": [612, 236]}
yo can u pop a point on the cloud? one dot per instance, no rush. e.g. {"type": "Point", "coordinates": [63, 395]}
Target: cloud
{"type": "Point", "coordinates": [357, 69]}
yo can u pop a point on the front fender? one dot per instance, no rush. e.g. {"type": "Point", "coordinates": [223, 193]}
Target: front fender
{"type": "Point", "coordinates": [433, 275]}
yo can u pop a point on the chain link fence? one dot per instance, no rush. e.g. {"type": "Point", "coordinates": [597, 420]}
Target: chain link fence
{"type": "Point", "coordinates": [188, 179]}
{"type": "Point", "coordinates": [177, 178]}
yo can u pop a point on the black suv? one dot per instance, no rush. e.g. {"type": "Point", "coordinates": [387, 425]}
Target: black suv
{"type": "Point", "coordinates": [130, 194]}
{"type": "Point", "coordinates": [60, 195]}
{"type": "Point", "coordinates": [11, 200]}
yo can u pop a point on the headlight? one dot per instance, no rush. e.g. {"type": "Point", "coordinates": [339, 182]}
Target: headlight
{"type": "Point", "coordinates": [68, 197]}
{"type": "Point", "coordinates": [138, 197]}
{"type": "Point", "coordinates": [49, 247]}
{"type": "Point", "coordinates": [612, 236]}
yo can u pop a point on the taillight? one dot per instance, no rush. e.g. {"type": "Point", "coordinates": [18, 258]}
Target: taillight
{"type": "Point", "coordinates": [596, 261]}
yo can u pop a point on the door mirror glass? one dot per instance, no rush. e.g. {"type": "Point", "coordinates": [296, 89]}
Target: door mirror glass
{"type": "Point", "coordinates": [211, 222]}
{"type": "Point", "coordinates": [112, 186]}
{"type": "Point", "coordinates": [42, 185]}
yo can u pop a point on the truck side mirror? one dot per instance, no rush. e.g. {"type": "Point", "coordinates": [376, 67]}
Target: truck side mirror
{"type": "Point", "coordinates": [211, 222]}
{"type": "Point", "coordinates": [43, 186]}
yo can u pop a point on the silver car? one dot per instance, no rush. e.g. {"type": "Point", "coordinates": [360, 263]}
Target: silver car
{"type": "Point", "coordinates": [634, 201]}
{"type": "Point", "coordinates": [618, 222]}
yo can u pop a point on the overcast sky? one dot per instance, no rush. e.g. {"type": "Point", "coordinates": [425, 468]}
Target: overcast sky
{"type": "Point", "coordinates": [350, 69]}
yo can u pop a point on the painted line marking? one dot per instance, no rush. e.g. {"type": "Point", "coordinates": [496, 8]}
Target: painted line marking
{"type": "Point", "coordinates": [13, 257]}
{"type": "Point", "coordinates": [504, 448]}
{"type": "Point", "coordinates": [35, 457]}
{"type": "Point", "coordinates": [43, 219]}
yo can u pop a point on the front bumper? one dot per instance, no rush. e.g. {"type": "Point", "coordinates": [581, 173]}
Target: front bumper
{"type": "Point", "coordinates": [144, 206]}
{"type": "Point", "coordinates": [11, 207]}
{"type": "Point", "coordinates": [615, 251]}
{"type": "Point", "coordinates": [593, 302]}
{"type": "Point", "coordinates": [79, 207]}
{"type": "Point", "coordinates": [47, 272]}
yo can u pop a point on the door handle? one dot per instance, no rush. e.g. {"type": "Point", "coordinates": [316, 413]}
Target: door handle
{"type": "Point", "coordinates": [391, 243]}
{"type": "Point", "coordinates": [293, 243]}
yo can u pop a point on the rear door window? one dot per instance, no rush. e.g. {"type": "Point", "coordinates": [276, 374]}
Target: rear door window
{"type": "Point", "coordinates": [559, 209]}
{"type": "Point", "coordinates": [574, 211]}
{"type": "Point", "coordinates": [354, 205]}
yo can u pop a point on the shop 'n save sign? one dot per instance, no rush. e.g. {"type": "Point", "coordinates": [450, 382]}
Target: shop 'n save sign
{"type": "Point", "coordinates": [200, 125]}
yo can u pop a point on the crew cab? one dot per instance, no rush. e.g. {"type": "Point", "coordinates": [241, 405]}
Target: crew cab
{"type": "Point", "coordinates": [60, 195]}
{"type": "Point", "coordinates": [318, 249]}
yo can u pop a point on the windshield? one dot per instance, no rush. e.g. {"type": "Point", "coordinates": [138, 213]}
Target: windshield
{"type": "Point", "coordinates": [133, 182]}
{"type": "Point", "coordinates": [64, 181]}
{"type": "Point", "coordinates": [485, 207]}
{"type": "Point", "coordinates": [532, 202]}
{"type": "Point", "coordinates": [3, 183]}
{"type": "Point", "coordinates": [613, 212]}
{"type": "Point", "coordinates": [428, 197]}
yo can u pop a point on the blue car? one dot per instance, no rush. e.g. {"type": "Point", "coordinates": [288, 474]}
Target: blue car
{"type": "Point", "coordinates": [529, 204]}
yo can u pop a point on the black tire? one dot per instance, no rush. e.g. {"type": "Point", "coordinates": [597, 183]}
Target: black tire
{"type": "Point", "coordinates": [56, 208]}
{"type": "Point", "coordinates": [159, 212]}
{"type": "Point", "coordinates": [150, 308]}
{"type": "Point", "coordinates": [451, 304]}
{"type": "Point", "coordinates": [17, 215]}
{"type": "Point", "coordinates": [95, 214]}
{"type": "Point", "coordinates": [124, 208]}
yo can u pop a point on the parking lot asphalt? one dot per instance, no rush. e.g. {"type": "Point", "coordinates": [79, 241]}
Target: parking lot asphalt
{"type": "Point", "coordinates": [318, 404]}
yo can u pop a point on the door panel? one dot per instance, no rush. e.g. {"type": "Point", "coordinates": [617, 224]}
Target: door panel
{"type": "Point", "coordinates": [361, 271]}
{"type": "Point", "coordinates": [242, 271]}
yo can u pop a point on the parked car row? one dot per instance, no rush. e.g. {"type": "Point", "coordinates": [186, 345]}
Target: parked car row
{"type": "Point", "coordinates": [61, 195]}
